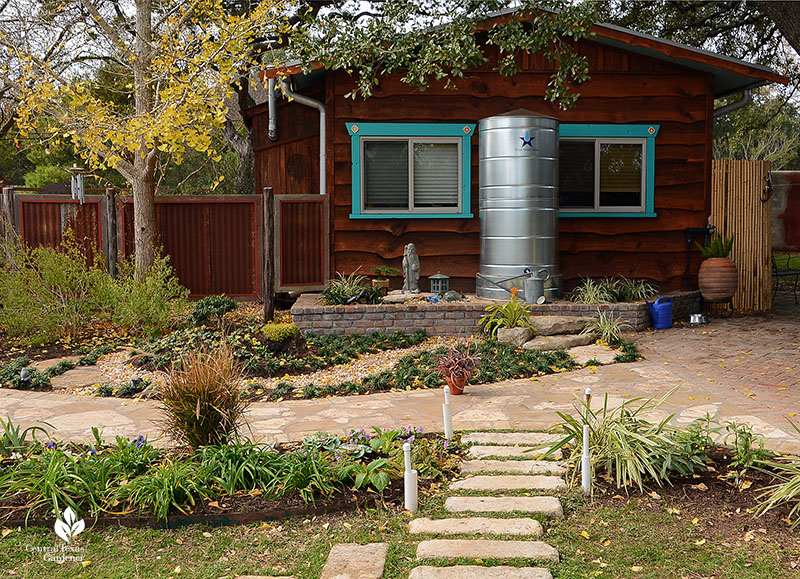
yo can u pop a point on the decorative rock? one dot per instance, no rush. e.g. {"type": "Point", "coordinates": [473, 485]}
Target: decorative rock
{"type": "Point", "coordinates": [476, 526]}
{"type": "Point", "coordinates": [485, 549]}
{"type": "Point", "coordinates": [510, 438]}
{"type": "Point", "coordinates": [510, 483]}
{"type": "Point", "coordinates": [512, 466]}
{"type": "Point", "coordinates": [452, 296]}
{"type": "Point", "coordinates": [354, 561]}
{"type": "Point", "coordinates": [506, 451]}
{"type": "Point", "coordinates": [514, 336]}
{"type": "Point", "coordinates": [548, 506]}
{"type": "Point", "coordinates": [399, 296]}
{"type": "Point", "coordinates": [473, 571]}
{"type": "Point", "coordinates": [562, 342]}
{"type": "Point", "coordinates": [552, 325]}
{"type": "Point", "coordinates": [602, 354]}
{"type": "Point", "coordinates": [78, 377]}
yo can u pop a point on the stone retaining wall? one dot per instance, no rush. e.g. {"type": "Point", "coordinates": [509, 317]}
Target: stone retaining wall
{"type": "Point", "coordinates": [458, 319]}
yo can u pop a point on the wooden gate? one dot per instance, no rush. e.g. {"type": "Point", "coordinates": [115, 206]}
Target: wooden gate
{"type": "Point", "coordinates": [302, 247]}
{"type": "Point", "coordinates": [741, 206]}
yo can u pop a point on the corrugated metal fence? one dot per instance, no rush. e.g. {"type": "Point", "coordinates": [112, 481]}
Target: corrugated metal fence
{"type": "Point", "coordinates": [740, 206]}
{"type": "Point", "coordinates": [214, 242]}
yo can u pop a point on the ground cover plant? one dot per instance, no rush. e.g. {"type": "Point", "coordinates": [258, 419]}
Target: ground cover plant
{"type": "Point", "coordinates": [40, 477]}
{"type": "Point", "coordinates": [349, 289]}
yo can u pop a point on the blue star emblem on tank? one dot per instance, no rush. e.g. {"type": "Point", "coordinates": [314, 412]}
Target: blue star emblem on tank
{"type": "Point", "coordinates": [527, 140]}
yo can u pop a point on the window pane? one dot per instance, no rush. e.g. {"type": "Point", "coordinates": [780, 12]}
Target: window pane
{"type": "Point", "coordinates": [435, 175]}
{"type": "Point", "coordinates": [620, 175]}
{"type": "Point", "coordinates": [576, 174]}
{"type": "Point", "coordinates": [385, 174]}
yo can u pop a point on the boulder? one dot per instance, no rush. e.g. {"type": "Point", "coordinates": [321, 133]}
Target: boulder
{"type": "Point", "coordinates": [554, 325]}
{"type": "Point", "coordinates": [514, 336]}
{"type": "Point", "coordinates": [563, 342]}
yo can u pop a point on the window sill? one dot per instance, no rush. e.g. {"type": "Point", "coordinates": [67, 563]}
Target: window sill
{"type": "Point", "coordinates": [411, 216]}
{"type": "Point", "coordinates": [607, 214]}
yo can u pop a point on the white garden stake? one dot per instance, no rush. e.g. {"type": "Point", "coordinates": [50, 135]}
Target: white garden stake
{"type": "Point", "coordinates": [448, 418]}
{"type": "Point", "coordinates": [410, 480]}
{"type": "Point", "coordinates": [586, 460]}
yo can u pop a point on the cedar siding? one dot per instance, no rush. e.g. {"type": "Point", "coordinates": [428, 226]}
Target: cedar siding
{"type": "Point", "coordinates": [625, 88]}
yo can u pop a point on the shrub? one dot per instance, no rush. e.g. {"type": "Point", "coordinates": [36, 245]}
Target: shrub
{"type": "Point", "coordinates": [343, 289]}
{"type": "Point", "coordinates": [719, 246]}
{"type": "Point", "coordinates": [58, 369]}
{"type": "Point", "coordinates": [280, 332]}
{"type": "Point", "coordinates": [148, 303]}
{"type": "Point", "coordinates": [48, 292]}
{"type": "Point", "coordinates": [612, 290]}
{"type": "Point", "coordinates": [202, 402]}
{"type": "Point", "coordinates": [211, 306]}
{"type": "Point", "coordinates": [511, 314]}
{"type": "Point", "coordinates": [11, 375]}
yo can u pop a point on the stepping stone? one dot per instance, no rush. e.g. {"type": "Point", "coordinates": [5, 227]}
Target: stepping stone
{"type": "Point", "coordinates": [548, 506]}
{"type": "Point", "coordinates": [473, 571]}
{"type": "Point", "coordinates": [264, 577]}
{"type": "Point", "coordinates": [485, 549]}
{"type": "Point", "coordinates": [602, 354]}
{"type": "Point", "coordinates": [476, 526]}
{"type": "Point", "coordinates": [563, 342]}
{"type": "Point", "coordinates": [506, 451]}
{"type": "Point", "coordinates": [78, 377]}
{"type": "Point", "coordinates": [510, 438]}
{"type": "Point", "coordinates": [510, 483]}
{"type": "Point", "coordinates": [354, 561]}
{"type": "Point", "coordinates": [513, 466]}
{"type": "Point", "coordinates": [552, 325]}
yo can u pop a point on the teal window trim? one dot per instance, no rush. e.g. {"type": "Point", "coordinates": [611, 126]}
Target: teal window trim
{"type": "Point", "coordinates": [464, 131]}
{"type": "Point", "coordinates": [647, 132]}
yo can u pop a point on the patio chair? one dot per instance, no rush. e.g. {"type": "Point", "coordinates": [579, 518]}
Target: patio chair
{"type": "Point", "coordinates": [777, 274]}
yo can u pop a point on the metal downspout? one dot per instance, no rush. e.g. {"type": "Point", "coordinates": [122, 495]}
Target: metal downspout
{"type": "Point", "coordinates": [747, 97]}
{"type": "Point", "coordinates": [309, 102]}
{"type": "Point", "coordinates": [272, 128]}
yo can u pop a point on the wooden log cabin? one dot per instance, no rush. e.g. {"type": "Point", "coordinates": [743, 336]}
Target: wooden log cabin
{"type": "Point", "coordinates": [647, 94]}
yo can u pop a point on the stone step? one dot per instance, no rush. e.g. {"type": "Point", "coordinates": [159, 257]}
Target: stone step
{"type": "Point", "coordinates": [554, 325]}
{"type": "Point", "coordinates": [354, 561]}
{"type": "Point", "coordinates": [548, 506]}
{"type": "Point", "coordinates": [510, 483]}
{"type": "Point", "coordinates": [510, 438]}
{"type": "Point", "coordinates": [602, 354]}
{"type": "Point", "coordinates": [513, 466]}
{"type": "Point", "coordinates": [476, 571]}
{"type": "Point", "coordinates": [476, 526]}
{"type": "Point", "coordinates": [562, 342]}
{"type": "Point", "coordinates": [485, 549]}
{"type": "Point", "coordinates": [506, 452]}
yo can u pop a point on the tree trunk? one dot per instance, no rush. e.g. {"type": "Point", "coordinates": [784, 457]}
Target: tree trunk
{"type": "Point", "coordinates": [144, 162]}
{"type": "Point", "coordinates": [243, 146]}
{"type": "Point", "coordinates": [786, 15]}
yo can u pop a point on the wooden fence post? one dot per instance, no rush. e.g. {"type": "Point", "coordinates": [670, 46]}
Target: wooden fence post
{"type": "Point", "coordinates": [269, 257]}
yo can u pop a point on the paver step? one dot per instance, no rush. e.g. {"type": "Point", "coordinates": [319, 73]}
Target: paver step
{"type": "Point", "coordinates": [476, 571]}
{"type": "Point", "coordinates": [506, 452]}
{"type": "Point", "coordinates": [510, 438]}
{"type": "Point", "coordinates": [476, 526]}
{"type": "Point", "coordinates": [548, 506]}
{"type": "Point", "coordinates": [485, 549]}
{"type": "Point", "coordinates": [513, 466]}
{"type": "Point", "coordinates": [354, 561]}
{"type": "Point", "coordinates": [505, 482]}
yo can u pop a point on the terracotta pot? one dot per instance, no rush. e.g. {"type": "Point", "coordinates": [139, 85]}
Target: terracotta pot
{"type": "Point", "coordinates": [381, 283]}
{"type": "Point", "coordinates": [456, 384]}
{"type": "Point", "coordinates": [718, 279]}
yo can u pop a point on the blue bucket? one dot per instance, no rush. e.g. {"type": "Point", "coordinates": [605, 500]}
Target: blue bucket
{"type": "Point", "coordinates": [661, 311]}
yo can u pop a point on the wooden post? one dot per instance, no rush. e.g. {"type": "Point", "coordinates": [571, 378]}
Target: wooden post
{"type": "Point", "coordinates": [111, 228]}
{"type": "Point", "coordinates": [269, 255]}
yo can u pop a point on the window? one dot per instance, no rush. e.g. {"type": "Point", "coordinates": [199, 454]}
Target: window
{"type": "Point", "coordinates": [410, 170]}
{"type": "Point", "coordinates": [606, 170]}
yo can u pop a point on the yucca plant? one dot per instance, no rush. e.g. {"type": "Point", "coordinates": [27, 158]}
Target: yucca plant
{"type": "Point", "coordinates": [607, 328]}
{"type": "Point", "coordinates": [202, 402]}
{"type": "Point", "coordinates": [344, 288]}
{"type": "Point", "coordinates": [623, 444]}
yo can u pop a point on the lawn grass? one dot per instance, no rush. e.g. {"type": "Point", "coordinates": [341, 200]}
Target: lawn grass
{"type": "Point", "coordinates": [639, 538]}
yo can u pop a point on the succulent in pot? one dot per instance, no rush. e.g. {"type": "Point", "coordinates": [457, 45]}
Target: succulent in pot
{"type": "Point", "coordinates": [718, 278]}
{"type": "Point", "coordinates": [457, 365]}
{"type": "Point", "coordinates": [384, 272]}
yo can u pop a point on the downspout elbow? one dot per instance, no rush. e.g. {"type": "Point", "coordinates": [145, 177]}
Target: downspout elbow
{"type": "Point", "coordinates": [747, 98]}
{"type": "Point", "coordinates": [272, 128]}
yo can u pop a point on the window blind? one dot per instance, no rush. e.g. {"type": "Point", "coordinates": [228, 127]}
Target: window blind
{"type": "Point", "coordinates": [386, 174]}
{"type": "Point", "coordinates": [436, 175]}
{"type": "Point", "coordinates": [620, 174]}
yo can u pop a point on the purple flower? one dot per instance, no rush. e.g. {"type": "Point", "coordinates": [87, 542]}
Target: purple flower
{"type": "Point", "coordinates": [93, 452]}
{"type": "Point", "coordinates": [140, 441]}
{"type": "Point", "coordinates": [50, 445]}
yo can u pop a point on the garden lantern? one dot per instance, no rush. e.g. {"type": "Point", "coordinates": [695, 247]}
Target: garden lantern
{"type": "Point", "coordinates": [440, 283]}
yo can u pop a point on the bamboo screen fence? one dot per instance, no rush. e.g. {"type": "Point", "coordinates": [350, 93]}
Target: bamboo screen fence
{"type": "Point", "coordinates": [740, 206]}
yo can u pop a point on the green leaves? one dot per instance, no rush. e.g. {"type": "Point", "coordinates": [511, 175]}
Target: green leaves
{"type": "Point", "coordinates": [719, 246]}
{"type": "Point", "coordinates": [511, 314]}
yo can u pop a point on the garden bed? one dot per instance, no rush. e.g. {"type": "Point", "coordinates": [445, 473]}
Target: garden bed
{"type": "Point", "coordinates": [460, 318]}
